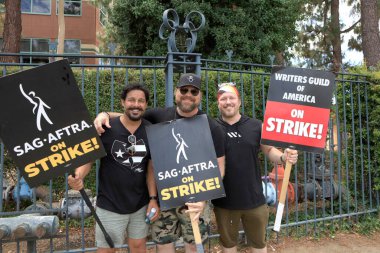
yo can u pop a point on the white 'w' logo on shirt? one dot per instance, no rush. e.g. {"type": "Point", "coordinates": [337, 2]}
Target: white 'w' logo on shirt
{"type": "Point", "coordinates": [233, 134]}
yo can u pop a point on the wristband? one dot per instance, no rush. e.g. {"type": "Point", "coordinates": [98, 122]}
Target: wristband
{"type": "Point", "coordinates": [152, 197]}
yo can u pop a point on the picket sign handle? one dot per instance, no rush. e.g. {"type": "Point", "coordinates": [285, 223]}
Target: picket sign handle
{"type": "Point", "coordinates": [281, 202]}
{"type": "Point", "coordinates": [197, 234]}
{"type": "Point", "coordinates": [93, 212]}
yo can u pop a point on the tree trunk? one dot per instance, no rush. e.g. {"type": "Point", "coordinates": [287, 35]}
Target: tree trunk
{"type": "Point", "coordinates": [335, 36]}
{"type": "Point", "coordinates": [12, 30]}
{"type": "Point", "coordinates": [61, 29]}
{"type": "Point", "coordinates": [280, 59]}
{"type": "Point", "coordinates": [370, 32]}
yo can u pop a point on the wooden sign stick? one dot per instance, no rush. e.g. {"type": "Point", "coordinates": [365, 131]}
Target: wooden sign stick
{"type": "Point", "coordinates": [281, 202]}
{"type": "Point", "coordinates": [197, 234]}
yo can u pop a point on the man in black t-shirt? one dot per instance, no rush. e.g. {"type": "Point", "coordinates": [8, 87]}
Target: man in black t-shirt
{"type": "Point", "coordinates": [176, 222]}
{"type": "Point", "coordinates": [126, 178]}
{"type": "Point", "coordinates": [244, 199]}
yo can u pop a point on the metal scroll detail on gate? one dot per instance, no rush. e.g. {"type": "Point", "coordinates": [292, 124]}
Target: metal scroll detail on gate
{"type": "Point", "coordinates": [173, 27]}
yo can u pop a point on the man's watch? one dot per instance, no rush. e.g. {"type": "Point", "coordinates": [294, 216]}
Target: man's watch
{"type": "Point", "coordinates": [153, 197]}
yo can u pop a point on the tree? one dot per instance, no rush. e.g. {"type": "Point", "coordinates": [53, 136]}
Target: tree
{"type": "Point", "coordinates": [253, 29]}
{"type": "Point", "coordinates": [319, 38]}
{"type": "Point", "coordinates": [61, 28]}
{"type": "Point", "coordinates": [12, 30]}
{"type": "Point", "coordinates": [335, 33]}
{"type": "Point", "coordinates": [370, 32]}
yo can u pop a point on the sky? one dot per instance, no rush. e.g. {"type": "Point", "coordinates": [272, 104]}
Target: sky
{"type": "Point", "coordinates": [350, 56]}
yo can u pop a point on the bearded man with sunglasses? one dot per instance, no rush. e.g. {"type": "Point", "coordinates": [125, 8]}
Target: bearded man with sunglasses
{"type": "Point", "coordinates": [126, 178]}
{"type": "Point", "coordinates": [174, 222]}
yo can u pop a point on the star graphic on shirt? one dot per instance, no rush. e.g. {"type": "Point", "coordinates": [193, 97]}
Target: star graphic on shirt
{"type": "Point", "coordinates": [119, 153]}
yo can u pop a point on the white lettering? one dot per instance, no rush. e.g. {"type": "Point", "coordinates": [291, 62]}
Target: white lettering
{"type": "Point", "coordinates": [51, 137]}
{"type": "Point", "coordinates": [297, 128]}
{"type": "Point", "coordinates": [299, 97]}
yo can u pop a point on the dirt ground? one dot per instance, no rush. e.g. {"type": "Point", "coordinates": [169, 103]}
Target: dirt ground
{"type": "Point", "coordinates": [343, 242]}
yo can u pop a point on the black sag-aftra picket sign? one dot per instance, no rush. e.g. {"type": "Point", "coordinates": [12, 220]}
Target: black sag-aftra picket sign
{"type": "Point", "coordinates": [184, 160]}
{"type": "Point", "coordinates": [45, 124]}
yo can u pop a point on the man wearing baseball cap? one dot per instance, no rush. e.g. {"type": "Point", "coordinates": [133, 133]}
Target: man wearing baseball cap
{"type": "Point", "coordinates": [175, 222]}
{"type": "Point", "coordinates": [244, 199]}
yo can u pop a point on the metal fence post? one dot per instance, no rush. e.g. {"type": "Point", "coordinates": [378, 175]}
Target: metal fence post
{"type": "Point", "coordinates": [180, 61]}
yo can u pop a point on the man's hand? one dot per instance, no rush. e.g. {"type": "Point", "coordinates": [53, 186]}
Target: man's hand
{"type": "Point", "coordinates": [102, 119]}
{"type": "Point", "coordinates": [196, 207]}
{"type": "Point", "coordinates": [291, 155]}
{"type": "Point", "coordinates": [153, 203]}
{"type": "Point", "coordinates": [77, 182]}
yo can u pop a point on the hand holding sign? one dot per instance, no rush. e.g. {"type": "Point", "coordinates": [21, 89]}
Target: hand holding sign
{"type": "Point", "coordinates": [197, 234]}
{"type": "Point", "coordinates": [195, 210]}
{"type": "Point", "coordinates": [75, 180]}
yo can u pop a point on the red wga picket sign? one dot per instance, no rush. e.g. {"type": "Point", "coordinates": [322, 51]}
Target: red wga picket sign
{"type": "Point", "coordinates": [298, 108]}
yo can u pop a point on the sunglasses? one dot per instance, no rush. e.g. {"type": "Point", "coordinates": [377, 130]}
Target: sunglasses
{"type": "Point", "coordinates": [132, 140]}
{"type": "Point", "coordinates": [193, 92]}
{"type": "Point", "coordinates": [225, 84]}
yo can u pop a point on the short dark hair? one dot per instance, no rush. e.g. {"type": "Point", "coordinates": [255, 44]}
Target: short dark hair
{"type": "Point", "coordinates": [134, 86]}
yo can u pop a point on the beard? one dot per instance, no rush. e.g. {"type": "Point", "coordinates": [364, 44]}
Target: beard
{"type": "Point", "coordinates": [228, 112]}
{"type": "Point", "coordinates": [186, 107]}
{"type": "Point", "coordinates": [128, 112]}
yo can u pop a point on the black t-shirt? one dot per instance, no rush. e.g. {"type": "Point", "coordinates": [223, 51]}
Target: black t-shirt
{"type": "Point", "coordinates": [122, 174]}
{"type": "Point", "coordinates": [242, 180]}
{"type": "Point", "coordinates": [158, 115]}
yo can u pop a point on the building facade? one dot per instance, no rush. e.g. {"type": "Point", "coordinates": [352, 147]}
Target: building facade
{"type": "Point", "coordinates": [83, 28]}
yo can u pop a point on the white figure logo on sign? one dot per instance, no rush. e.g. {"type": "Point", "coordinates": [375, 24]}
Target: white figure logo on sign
{"type": "Point", "coordinates": [38, 104]}
{"type": "Point", "coordinates": [181, 144]}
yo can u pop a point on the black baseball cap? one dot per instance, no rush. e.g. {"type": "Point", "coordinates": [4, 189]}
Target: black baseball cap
{"type": "Point", "coordinates": [190, 79]}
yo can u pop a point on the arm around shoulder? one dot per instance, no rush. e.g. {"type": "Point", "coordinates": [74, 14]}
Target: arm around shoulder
{"type": "Point", "coordinates": [103, 119]}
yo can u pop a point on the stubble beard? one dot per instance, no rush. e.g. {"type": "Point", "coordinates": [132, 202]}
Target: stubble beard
{"type": "Point", "coordinates": [229, 113]}
{"type": "Point", "coordinates": [186, 108]}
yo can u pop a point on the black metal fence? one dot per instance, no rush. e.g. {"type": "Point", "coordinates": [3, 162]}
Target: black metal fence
{"type": "Point", "coordinates": [326, 191]}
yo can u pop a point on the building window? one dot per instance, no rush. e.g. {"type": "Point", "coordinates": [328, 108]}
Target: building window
{"type": "Point", "coordinates": [38, 47]}
{"type": "Point", "coordinates": [72, 7]}
{"type": "Point", "coordinates": [103, 17]}
{"type": "Point", "coordinates": [72, 47]}
{"type": "Point", "coordinates": [36, 6]}
{"type": "Point", "coordinates": [34, 46]}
